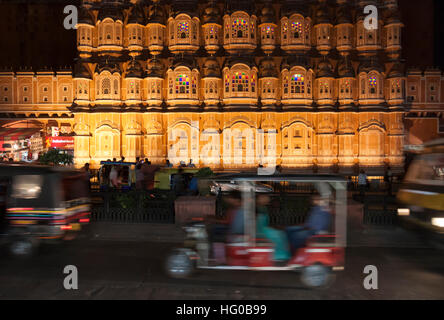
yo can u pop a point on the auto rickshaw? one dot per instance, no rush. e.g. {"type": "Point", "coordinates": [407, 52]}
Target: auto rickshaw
{"type": "Point", "coordinates": [41, 203]}
{"type": "Point", "coordinates": [321, 254]}
{"type": "Point", "coordinates": [421, 195]}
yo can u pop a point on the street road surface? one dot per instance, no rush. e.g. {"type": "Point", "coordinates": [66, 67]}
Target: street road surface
{"type": "Point", "coordinates": [133, 270]}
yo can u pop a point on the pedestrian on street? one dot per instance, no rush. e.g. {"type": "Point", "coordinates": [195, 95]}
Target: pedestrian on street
{"type": "Point", "coordinates": [388, 179]}
{"type": "Point", "coordinates": [87, 174]}
{"type": "Point", "coordinates": [362, 183]}
{"type": "Point", "coordinates": [139, 177]}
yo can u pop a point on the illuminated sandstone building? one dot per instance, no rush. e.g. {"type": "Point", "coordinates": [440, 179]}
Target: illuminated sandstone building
{"type": "Point", "coordinates": [220, 81]}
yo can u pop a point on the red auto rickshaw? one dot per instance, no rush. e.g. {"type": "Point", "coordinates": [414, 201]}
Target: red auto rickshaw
{"type": "Point", "coordinates": [321, 254]}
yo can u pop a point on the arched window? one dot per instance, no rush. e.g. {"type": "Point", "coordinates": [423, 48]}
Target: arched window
{"type": "Point", "coordinates": [227, 82]}
{"type": "Point", "coordinates": [372, 84]}
{"type": "Point", "coordinates": [182, 84]}
{"type": "Point", "coordinates": [106, 86]}
{"type": "Point", "coordinates": [296, 29]}
{"type": "Point", "coordinates": [239, 28]}
{"type": "Point", "coordinates": [239, 82]}
{"type": "Point", "coordinates": [346, 87]}
{"type": "Point", "coordinates": [183, 30]}
{"type": "Point", "coordinates": [297, 84]}
{"type": "Point", "coordinates": [116, 86]}
{"type": "Point", "coordinates": [284, 30]}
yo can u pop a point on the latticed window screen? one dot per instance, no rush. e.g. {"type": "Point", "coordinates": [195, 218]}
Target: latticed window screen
{"type": "Point", "coordinates": [239, 82]}
{"type": "Point", "coordinates": [297, 83]}
{"type": "Point", "coordinates": [239, 28]}
{"type": "Point", "coordinates": [106, 86]}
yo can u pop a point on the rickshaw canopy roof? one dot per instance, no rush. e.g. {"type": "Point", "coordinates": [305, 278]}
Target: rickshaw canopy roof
{"type": "Point", "coordinates": [7, 170]}
{"type": "Point", "coordinates": [279, 177]}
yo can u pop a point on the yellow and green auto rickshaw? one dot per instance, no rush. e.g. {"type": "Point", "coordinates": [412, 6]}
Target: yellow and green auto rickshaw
{"type": "Point", "coordinates": [422, 193]}
{"type": "Point", "coordinates": [163, 177]}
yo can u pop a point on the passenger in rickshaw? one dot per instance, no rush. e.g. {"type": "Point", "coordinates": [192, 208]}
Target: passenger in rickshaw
{"type": "Point", "coordinates": [319, 221]}
{"type": "Point", "coordinates": [263, 230]}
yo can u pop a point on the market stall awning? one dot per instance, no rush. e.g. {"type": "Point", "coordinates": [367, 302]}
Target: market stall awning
{"type": "Point", "coordinates": [14, 134]}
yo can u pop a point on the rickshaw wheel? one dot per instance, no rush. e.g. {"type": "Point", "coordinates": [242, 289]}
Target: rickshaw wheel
{"type": "Point", "coordinates": [316, 276]}
{"type": "Point", "coordinates": [23, 247]}
{"type": "Point", "coordinates": [179, 264]}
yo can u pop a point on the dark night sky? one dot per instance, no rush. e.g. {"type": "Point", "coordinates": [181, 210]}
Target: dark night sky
{"type": "Point", "coordinates": [32, 33]}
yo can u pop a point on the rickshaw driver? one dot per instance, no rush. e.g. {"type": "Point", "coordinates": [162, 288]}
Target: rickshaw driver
{"type": "Point", "coordinates": [319, 220]}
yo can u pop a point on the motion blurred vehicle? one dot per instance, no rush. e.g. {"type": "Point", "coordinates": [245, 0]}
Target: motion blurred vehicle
{"type": "Point", "coordinates": [41, 203]}
{"type": "Point", "coordinates": [321, 254]}
{"type": "Point", "coordinates": [421, 195]}
{"type": "Point", "coordinates": [163, 178]}
{"type": "Point", "coordinates": [227, 186]}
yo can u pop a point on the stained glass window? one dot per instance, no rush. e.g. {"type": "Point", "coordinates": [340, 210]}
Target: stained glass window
{"type": "Point", "coordinates": [285, 29]}
{"type": "Point", "coordinates": [182, 84]}
{"type": "Point", "coordinates": [183, 30]}
{"type": "Point", "coordinates": [346, 87]}
{"type": "Point", "coordinates": [297, 84]}
{"type": "Point", "coordinates": [372, 84]}
{"type": "Point", "coordinates": [296, 28]}
{"type": "Point", "coordinates": [239, 82]}
{"type": "Point", "coordinates": [324, 87]}
{"type": "Point", "coordinates": [268, 32]}
{"type": "Point", "coordinates": [227, 83]}
{"type": "Point", "coordinates": [239, 28]}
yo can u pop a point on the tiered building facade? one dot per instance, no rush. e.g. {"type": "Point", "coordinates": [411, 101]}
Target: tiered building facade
{"type": "Point", "coordinates": [220, 81]}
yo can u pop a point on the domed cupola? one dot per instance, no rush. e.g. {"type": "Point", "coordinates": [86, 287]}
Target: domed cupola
{"type": "Point", "coordinates": [371, 82]}
{"type": "Point", "coordinates": [85, 30]}
{"type": "Point", "coordinates": [239, 27]}
{"type": "Point", "coordinates": [110, 26]}
{"type": "Point", "coordinates": [212, 27]}
{"type": "Point", "coordinates": [344, 27]}
{"type": "Point", "coordinates": [156, 27]}
{"type": "Point", "coordinates": [323, 28]}
{"type": "Point", "coordinates": [296, 26]}
{"type": "Point", "coordinates": [324, 85]}
{"type": "Point", "coordinates": [297, 82]}
{"type": "Point", "coordinates": [133, 82]}
{"type": "Point", "coordinates": [211, 82]}
{"type": "Point", "coordinates": [396, 85]}
{"type": "Point", "coordinates": [183, 27]}
{"type": "Point", "coordinates": [154, 82]}
{"type": "Point", "coordinates": [135, 27]}
{"type": "Point", "coordinates": [268, 27]}
{"type": "Point", "coordinates": [346, 82]}
{"type": "Point", "coordinates": [82, 83]}
{"type": "Point", "coordinates": [107, 81]}
{"type": "Point", "coordinates": [183, 83]}
{"type": "Point", "coordinates": [268, 81]}
{"type": "Point", "coordinates": [392, 29]}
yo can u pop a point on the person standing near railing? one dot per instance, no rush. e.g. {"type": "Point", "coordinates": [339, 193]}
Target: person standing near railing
{"type": "Point", "coordinates": [362, 183]}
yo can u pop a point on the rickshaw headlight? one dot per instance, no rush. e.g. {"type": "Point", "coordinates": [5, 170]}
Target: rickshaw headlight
{"type": "Point", "coordinates": [403, 212]}
{"type": "Point", "coordinates": [439, 222]}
